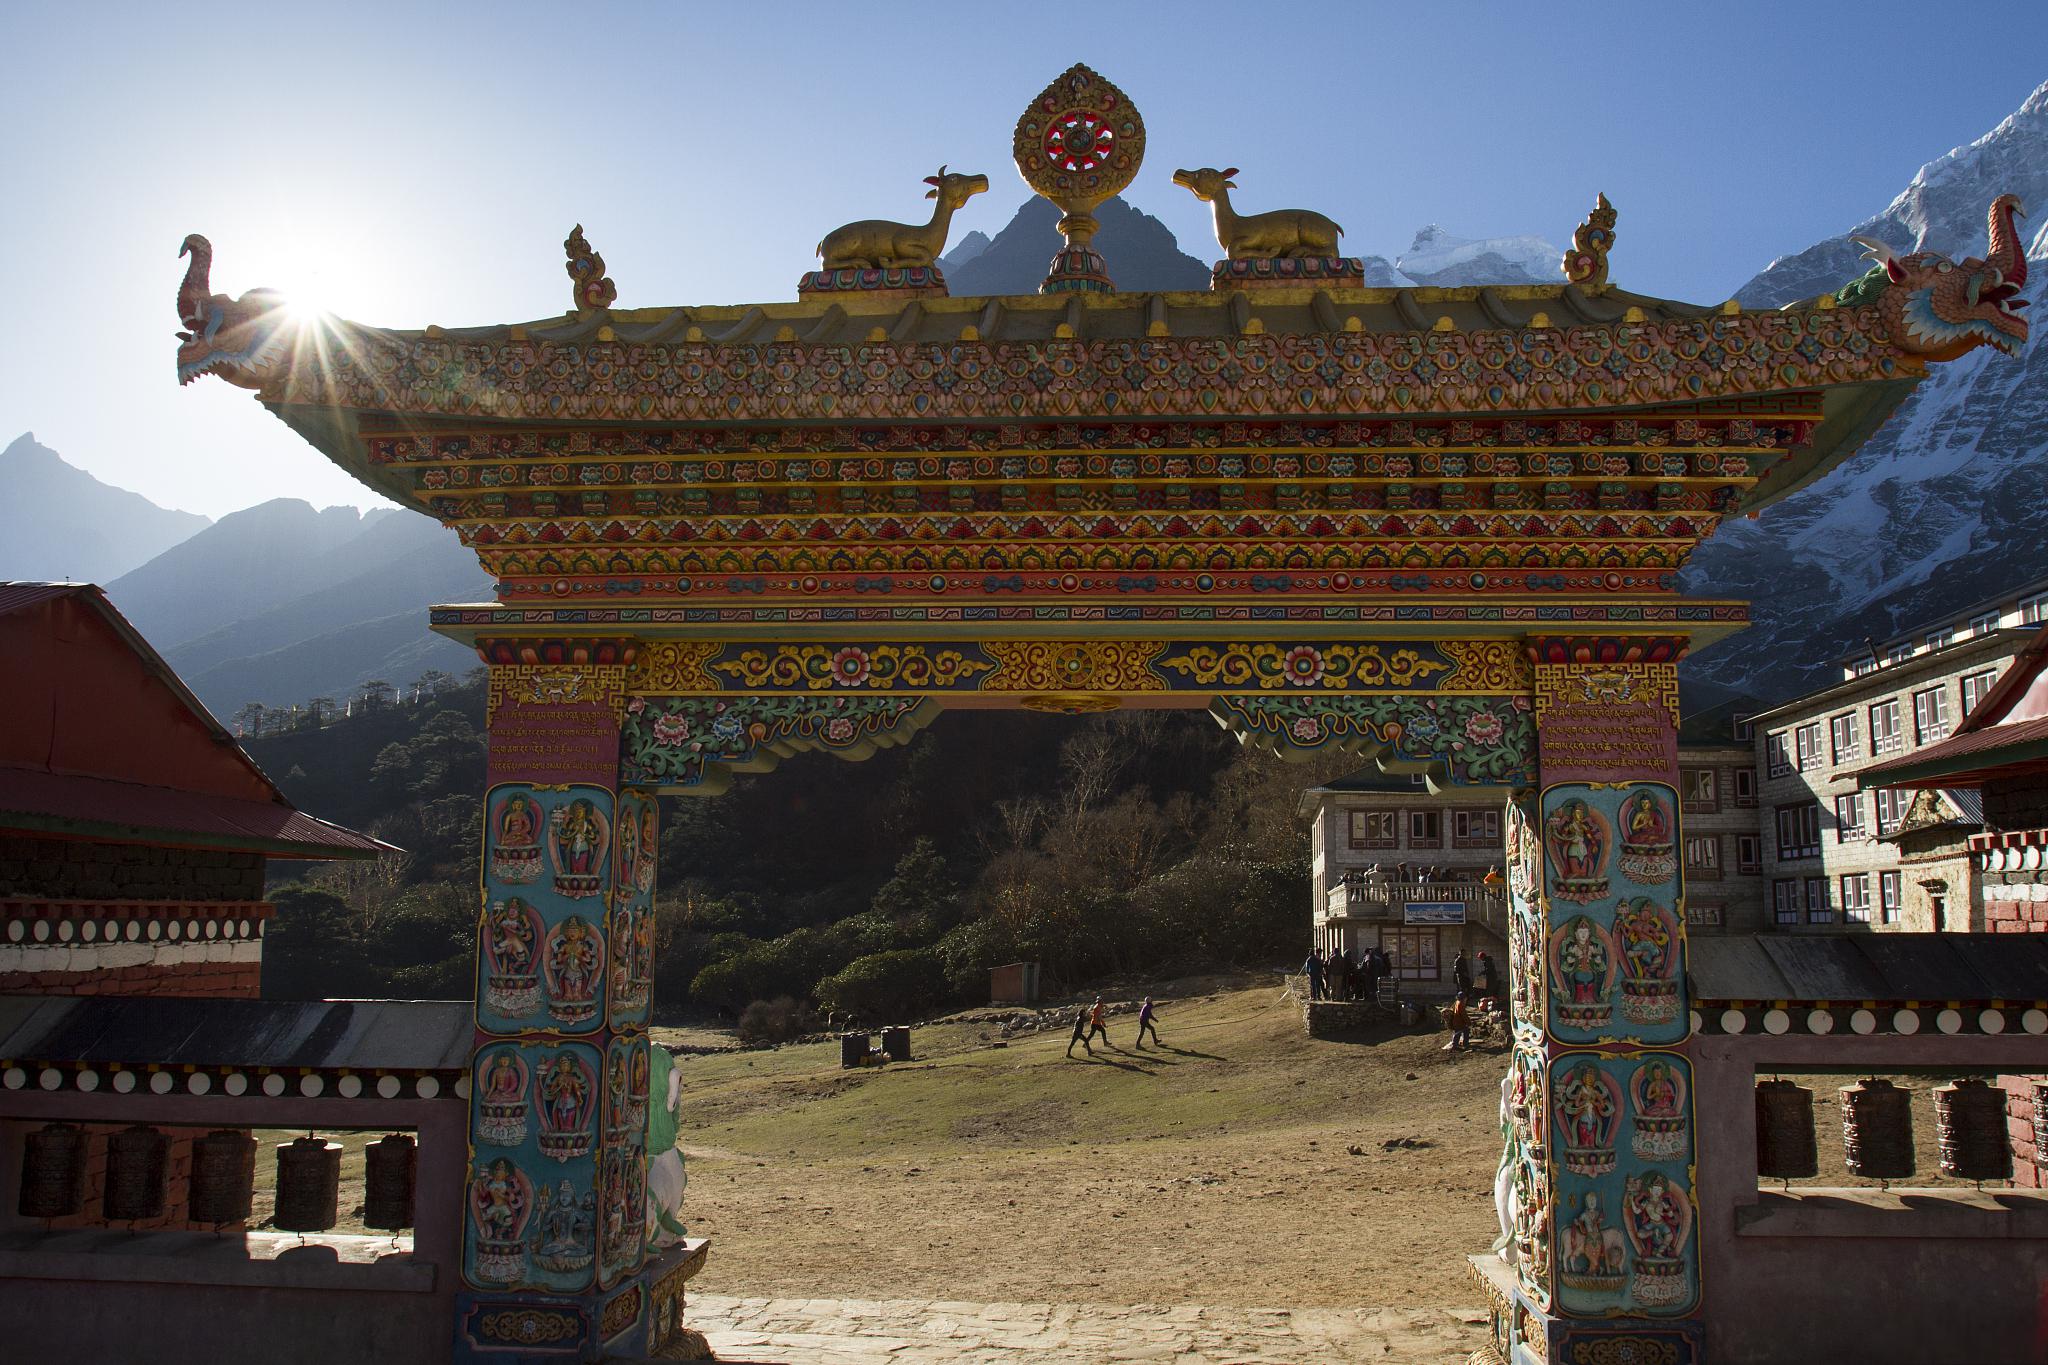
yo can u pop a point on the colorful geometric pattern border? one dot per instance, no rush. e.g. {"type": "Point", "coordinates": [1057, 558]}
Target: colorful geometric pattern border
{"type": "Point", "coordinates": [1608, 683]}
{"type": "Point", "coordinates": [1462, 741]}
{"type": "Point", "coordinates": [693, 744]}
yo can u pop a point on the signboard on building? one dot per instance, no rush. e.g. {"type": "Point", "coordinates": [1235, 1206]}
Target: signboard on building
{"type": "Point", "coordinates": [1433, 912]}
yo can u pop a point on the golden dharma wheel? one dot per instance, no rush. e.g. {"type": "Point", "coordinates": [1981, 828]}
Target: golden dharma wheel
{"type": "Point", "coordinates": [1969, 1130]}
{"type": "Point", "coordinates": [390, 1173]}
{"type": "Point", "coordinates": [223, 1177]}
{"type": "Point", "coordinates": [138, 1159]}
{"type": "Point", "coordinates": [52, 1171]}
{"type": "Point", "coordinates": [308, 1185]}
{"type": "Point", "coordinates": [1784, 1131]}
{"type": "Point", "coordinates": [1080, 141]}
{"type": "Point", "coordinates": [1877, 1130]}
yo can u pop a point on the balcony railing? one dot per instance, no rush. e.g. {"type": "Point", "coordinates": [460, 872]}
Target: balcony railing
{"type": "Point", "coordinates": [1360, 896]}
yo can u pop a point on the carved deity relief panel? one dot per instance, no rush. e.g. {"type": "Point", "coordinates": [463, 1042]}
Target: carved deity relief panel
{"type": "Point", "coordinates": [532, 1198]}
{"type": "Point", "coordinates": [1614, 948]}
{"type": "Point", "coordinates": [629, 927]}
{"type": "Point", "coordinates": [1622, 1161]}
{"type": "Point", "coordinates": [542, 941]}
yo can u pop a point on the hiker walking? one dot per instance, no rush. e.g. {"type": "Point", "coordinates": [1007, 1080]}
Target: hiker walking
{"type": "Point", "coordinates": [1312, 968]}
{"type": "Point", "coordinates": [1080, 1034]}
{"type": "Point", "coordinates": [1460, 1021]}
{"type": "Point", "coordinates": [1461, 976]}
{"type": "Point", "coordinates": [1095, 1025]}
{"type": "Point", "coordinates": [1145, 1023]}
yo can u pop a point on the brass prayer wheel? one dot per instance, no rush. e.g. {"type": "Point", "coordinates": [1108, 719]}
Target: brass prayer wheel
{"type": "Point", "coordinates": [223, 1177]}
{"type": "Point", "coordinates": [137, 1162]}
{"type": "Point", "coordinates": [1969, 1128]}
{"type": "Point", "coordinates": [1784, 1131]}
{"type": "Point", "coordinates": [308, 1185]}
{"type": "Point", "coordinates": [1877, 1130]}
{"type": "Point", "coordinates": [52, 1171]}
{"type": "Point", "coordinates": [390, 1167]}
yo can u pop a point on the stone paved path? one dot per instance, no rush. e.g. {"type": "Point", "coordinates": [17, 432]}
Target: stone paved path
{"type": "Point", "coordinates": [746, 1331]}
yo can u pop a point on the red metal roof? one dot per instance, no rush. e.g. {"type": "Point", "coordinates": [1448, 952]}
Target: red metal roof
{"type": "Point", "coordinates": [47, 802]}
{"type": "Point", "coordinates": [1947, 764]}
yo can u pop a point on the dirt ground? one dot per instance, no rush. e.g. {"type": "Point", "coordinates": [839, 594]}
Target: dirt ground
{"type": "Point", "coordinates": [1216, 1169]}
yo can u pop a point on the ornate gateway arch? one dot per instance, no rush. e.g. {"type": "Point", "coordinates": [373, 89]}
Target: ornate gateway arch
{"type": "Point", "coordinates": [1440, 527]}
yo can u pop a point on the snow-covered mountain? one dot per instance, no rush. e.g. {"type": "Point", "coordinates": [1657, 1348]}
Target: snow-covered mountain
{"type": "Point", "coordinates": [1948, 503]}
{"type": "Point", "coordinates": [1437, 258]}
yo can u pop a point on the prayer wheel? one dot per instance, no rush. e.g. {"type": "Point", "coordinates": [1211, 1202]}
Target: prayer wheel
{"type": "Point", "coordinates": [1784, 1131]}
{"type": "Point", "coordinates": [138, 1158]}
{"type": "Point", "coordinates": [308, 1185]}
{"type": "Point", "coordinates": [2041, 1123]}
{"type": "Point", "coordinates": [223, 1177]}
{"type": "Point", "coordinates": [52, 1172]}
{"type": "Point", "coordinates": [1877, 1130]}
{"type": "Point", "coordinates": [390, 1167]}
{"type": "Point", "coordinates": [1969, 1128]}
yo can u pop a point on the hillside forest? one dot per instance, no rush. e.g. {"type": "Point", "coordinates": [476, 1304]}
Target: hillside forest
{"type": "Point", "coordinates": [1141, 842]}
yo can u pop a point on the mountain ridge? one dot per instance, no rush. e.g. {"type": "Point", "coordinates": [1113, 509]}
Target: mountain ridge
{"type": "Point", "coordinates": [59, 522]}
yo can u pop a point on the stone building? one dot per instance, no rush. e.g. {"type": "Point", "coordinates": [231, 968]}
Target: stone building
{"type": "Point", "coordinates": [1720, 826]}
{"type": "Point", "coordinates": [1399, 867]}
{"type": "Point", "coordinates": [1837, 853]}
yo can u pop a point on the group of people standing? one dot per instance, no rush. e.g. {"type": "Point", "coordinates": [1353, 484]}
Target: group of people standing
{"type": "Point", "coordinates": [1338, 975]}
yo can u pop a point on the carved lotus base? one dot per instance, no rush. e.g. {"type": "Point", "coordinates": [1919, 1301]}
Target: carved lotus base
{"type": "Point", "coordinates": [1306, 271]}
{"type": "Point", "coordinates": [512, 995]}
{"type": "Point", "coordinates": [564, 1146]}
{"type": "Point", "coordinates": [902, 281]}
{"type": "Point", "coordinates": [1659, 1282]}
{"type": "Point", "coordinates": [1078, 271]}
{"type": "Point", "coordinates": [501, 1126]}
{"type": "Point", "coordinates": [563, 1262]}
{"type": "Point", "coordinates": [577, 886]}
{"type": "Point", "coordinates": [1579, 890]}
{"type": "Point", "coordinates": [516, 865]}
{"type": "Point", "coordinates": [500, 1262]}
{"type": "Point", "coordinates": [1585, 1016]}
{"type": "Point", "coordinates": [1588, 1160]}
{"type": "Point", "coordinates": [1648, 1002]}
{"type": "Point", "coordinates": [1658, 1139]}
{"type": "Point", "coordinates": [1648, 865]}
{"type": "Point", "coordinates": [573, 1011]}
{"type": "Point", "coordinates": [1592, 1284]}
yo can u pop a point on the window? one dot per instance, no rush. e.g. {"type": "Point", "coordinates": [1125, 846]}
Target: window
{"type": "Point", "coordinates": [1704, 916]}
{"type": "Point", "coordinates": [1780, 755]}
{"type": "Point", "coordinates": [1863, 666]}
{"type": "Point", "coordinates": [1749, 853]}
{"type": "Point", "coordinates": [1745, 731]}
{"type": "Point", "coordinates": [1898, 654]}
{"type": "Point", "coordinates": [1891, 808]}
{"type": "Point", "coordinates": [1375, 829]}
{"type": "Point", "coordinates": [1984, 624]}
{"type": "Point", "coordinates": [1703, 857]}
{"type": "Point", "coordinates": [1937, 639]}
{"type": "Point", "coordinates": [1412, 953]}
{"type": "Point", "coordinates": [1887, 897]}
{"type": "Point", "coordinates": [1885, 735]}
{"type": "Point", "coordinates": [1975, 686]}
{"type": "Point", "coordinates": [1702, 787]}
{"type": "Point", "coordinates": [1785, 901]}
{"type": "Point", "coordinates": [1425, 829]}
{"type": "Point", "coordinates": [1475, 829]}
{"type": "Point", "coordinates": [1818, 911]}
{"type": "Point", "coordinates": [1848, 817]}
{"type": "Point", "coordinates": [1745, 786]}
{"type": "Point", "coordinates": [1842, 737]}
{"type": "Point", "coordinates": [1856, 898]}
{"type": "Point", "coordinates": [1806, 742]}
{"type": "Point", "coordinates": [2034, 610]}
{"type": "Point", "coordinates": [1799, 831]}
{"type": "Point", "coordinates": [1930, 715]}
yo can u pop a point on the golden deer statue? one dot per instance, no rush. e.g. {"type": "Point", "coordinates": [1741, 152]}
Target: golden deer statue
{"type": "Point", "coordinates": [876, 243]}
{"type": "Point", "coordinates": [1279, 235]}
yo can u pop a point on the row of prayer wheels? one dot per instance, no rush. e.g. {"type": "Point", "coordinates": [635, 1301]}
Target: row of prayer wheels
{"type": "Point", "coordinates": [222, 1179]}
{"type": "Point", "coordinates": [1877, 1130]}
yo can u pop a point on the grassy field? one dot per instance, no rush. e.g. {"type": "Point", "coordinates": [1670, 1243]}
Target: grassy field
{"type": "Point", "coordinates": [1215, 1169]}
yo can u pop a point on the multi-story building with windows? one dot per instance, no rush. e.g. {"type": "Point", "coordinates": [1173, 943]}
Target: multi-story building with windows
{"type": "Point", "coordinates": [1719, 826]}
{"type": "Point", "coordinates": [1836, 855]}
{"type": "Point", "coordinates": [1402, 868]}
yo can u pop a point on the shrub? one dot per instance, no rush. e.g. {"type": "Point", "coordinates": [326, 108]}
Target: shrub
{"type": "Point", "coordinates": [891, 986]}
{"type": "Point", "coordinates": [969, 951]}
{"type": "Point", "coordinates": [773, 1021]}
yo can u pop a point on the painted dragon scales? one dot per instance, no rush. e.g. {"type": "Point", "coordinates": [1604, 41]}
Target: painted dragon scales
{"type": "Point", "coordinates": [1940, 308]}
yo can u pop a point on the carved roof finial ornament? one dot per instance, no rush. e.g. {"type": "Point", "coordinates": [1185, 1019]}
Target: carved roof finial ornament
{"type": "Point", "coordinates": [594, 288]}
{"type": "Point", "coordinates": [1585, 265]}
{"type": "Point", "coordinates": [1080, 142]}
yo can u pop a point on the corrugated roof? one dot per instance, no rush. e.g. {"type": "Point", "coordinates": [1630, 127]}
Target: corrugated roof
{"type": "Point", "coordinates": [395, 1035]}
{"type": "Point", "coordinates": [1959, 754]}
{"type": "Point", "coordinates": [15, 596]}
{"type": "Point", "coordinates": [1869, 966]}
{"type": "Point", "coordinates": [67, 803]}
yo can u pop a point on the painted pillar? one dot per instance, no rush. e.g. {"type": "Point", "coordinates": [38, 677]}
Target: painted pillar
{"type": "Point", "coordinates": [554, 1204]}
{"type": "Point", "coordinates": [1596, 1183]}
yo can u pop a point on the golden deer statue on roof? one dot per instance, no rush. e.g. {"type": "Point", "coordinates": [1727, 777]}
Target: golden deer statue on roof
{"type": "Point", "coordinates": [1278, 235]}
{"type": "Point", "coordinates": [877, 243]}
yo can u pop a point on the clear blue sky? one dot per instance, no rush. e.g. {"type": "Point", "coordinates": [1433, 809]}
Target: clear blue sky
{"type": "Point", "coordinates": [418, 163]}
